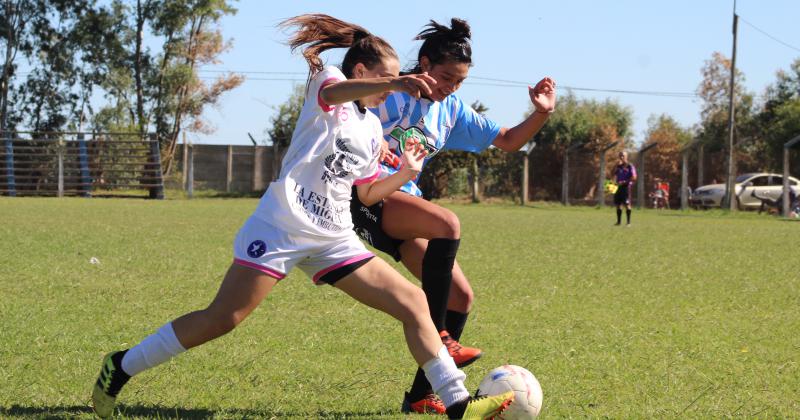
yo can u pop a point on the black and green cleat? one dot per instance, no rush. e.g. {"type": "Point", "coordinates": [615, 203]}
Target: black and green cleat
{"type": "Point", "coordinates": [108, 384]}
{"type": "Point", "coordinates": [481, 408]}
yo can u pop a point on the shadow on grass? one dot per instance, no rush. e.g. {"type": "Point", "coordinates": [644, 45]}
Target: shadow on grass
{"type": "Point", "coordinates": [66, 411]}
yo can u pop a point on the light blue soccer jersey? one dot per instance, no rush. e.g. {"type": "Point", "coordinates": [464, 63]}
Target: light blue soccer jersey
{"type": "Point", "coordinates": [450, 124]}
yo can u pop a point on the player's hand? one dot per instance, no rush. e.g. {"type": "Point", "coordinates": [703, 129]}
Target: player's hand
{"type": "Point", "coordinates": [543, 95]}
{"type": "Point", "coordinates": [416, 85]}
{"type": "Point", "coordinates": [414, 156]}
{"type": "Point", "coordinates": [385, 155]}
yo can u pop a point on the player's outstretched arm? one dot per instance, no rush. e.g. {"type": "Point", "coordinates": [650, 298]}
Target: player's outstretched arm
{"type": "Point", "coordinates": [543, 97]}
{"type": "Point", "coordinates": [413, 157]}
{"type": "Point", "coordinates": [353, 89]}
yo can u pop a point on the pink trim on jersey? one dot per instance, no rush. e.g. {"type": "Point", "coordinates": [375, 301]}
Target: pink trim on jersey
{"type": "Point", "coordinates": [325, 107]}
{"type": "Point", "coordinates": [259, 267]}
{"type": "Point", "coordinates": [341, 264]}
{"type": "Point", "coordinates": [368, 180]}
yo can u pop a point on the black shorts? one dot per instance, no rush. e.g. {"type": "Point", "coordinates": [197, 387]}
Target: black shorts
{"type": "Point", "coordinates": [337, 274]}
{"type": "Point", "coordinates": [367, 225]}
{"type": "Point", "coordinates": [623, 195]}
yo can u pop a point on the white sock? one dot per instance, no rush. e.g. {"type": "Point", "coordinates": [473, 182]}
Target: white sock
{"type": "Point", "coordinates": [445, 378]}
{"type": "Point", "coordinates": [152, 351]}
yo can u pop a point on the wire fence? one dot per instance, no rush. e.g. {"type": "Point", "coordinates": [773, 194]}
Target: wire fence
{"type": "Point", "coordinates": [79, 164]}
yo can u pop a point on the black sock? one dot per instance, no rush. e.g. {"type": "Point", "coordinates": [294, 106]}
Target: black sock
{"type": "Point", "coordinates": [437, 274]}
{"type": "Point", "coordinates": [455, 323]}
{"type": "Point", "coordinates": [619, 215]}
{"type": "Point", "coordinates": [456, 411]}
{"type": "Point", "coordinates": [420, 387]}
{"type": "Point", "coordinates": [628, 215]}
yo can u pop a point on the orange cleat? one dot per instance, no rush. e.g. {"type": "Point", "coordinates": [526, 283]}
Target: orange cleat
{"type": "Point", "coordinates": [463, 356]}
{"type": "Point", "coordinates": [429, 404]}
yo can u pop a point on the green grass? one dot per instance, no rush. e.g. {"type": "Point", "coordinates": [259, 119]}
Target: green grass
{"type": "Point", "coordinates": [683, 315]}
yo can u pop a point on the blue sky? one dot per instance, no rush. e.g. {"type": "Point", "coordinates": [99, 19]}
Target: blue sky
{"type": "Point", "coordinates": [613, 45]}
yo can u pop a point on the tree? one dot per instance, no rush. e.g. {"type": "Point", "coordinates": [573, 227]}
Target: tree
{"type": "Point", "coordinates": [714, 91]}
{"type": "Point", "coordinates": [779, 119]}
{"type": "Point", "coordinates": [162, 90]}
{"type": "Point", "coordinates": [50, 36]}
{"type": "Point", "coordinates": [593, 123]}
{"type": "Point", "coordinates": [664, 161]}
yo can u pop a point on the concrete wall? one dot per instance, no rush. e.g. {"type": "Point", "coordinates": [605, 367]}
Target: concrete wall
{"type": "Point", "coordinates": [251, 167]}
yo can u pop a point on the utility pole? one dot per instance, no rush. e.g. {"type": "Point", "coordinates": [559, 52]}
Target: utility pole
{"type": "Point", "coordinates": [730, 188]}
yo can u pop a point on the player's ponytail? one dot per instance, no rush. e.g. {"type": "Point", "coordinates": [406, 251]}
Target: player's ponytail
{"type": "Point", "coordinates": [319, 32]}
{"type": "Point", "coordinates": [442, 44]}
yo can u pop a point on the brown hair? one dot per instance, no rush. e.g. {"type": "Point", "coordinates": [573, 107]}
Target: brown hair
{"type": "Point", "coordinates": [319, 32]}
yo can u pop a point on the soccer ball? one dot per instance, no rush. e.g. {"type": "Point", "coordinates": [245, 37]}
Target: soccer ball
{"type": "Point", "coordinates": [527, 391]}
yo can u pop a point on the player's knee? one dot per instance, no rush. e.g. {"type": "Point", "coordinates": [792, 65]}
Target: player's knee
{"type": "Point", "coordinates": [415, 307]}
{"type": "Point", "coordinates": [449, 226]}
{"type": "Point", "coordinates": [461, 299]}
{"type": "Point", "coordinates": [222, 323]}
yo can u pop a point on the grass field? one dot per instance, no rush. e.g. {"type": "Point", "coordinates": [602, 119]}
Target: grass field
{"type": "Point", "coordinates": [683, 315]}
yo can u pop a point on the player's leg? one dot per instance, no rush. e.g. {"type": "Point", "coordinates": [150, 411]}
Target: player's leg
{"type": "Point", "coordinates": [420, 397]}
{"type": "Point", "coordinates": [248, 280]}
{"type": "Point", "coordinates": [379, 286]}
{"type": "Point", "coordinates": [408, 217]}
{"type": "Point", "coordinates": [241, 291]}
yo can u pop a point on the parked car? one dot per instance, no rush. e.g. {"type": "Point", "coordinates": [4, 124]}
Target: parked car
{"type": "Point", "coordinates": [764, 185]}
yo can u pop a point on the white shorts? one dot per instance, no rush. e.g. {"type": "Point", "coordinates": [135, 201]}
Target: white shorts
{"type": "Point", "coordinates": [273, 251]}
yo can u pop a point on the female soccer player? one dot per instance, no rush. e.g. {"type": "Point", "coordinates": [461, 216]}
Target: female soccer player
{"type": "Point", "coordinates": [423, 235]}
{"type": "Point", "coordinates": [624, 176]}
{"type": "Point", "coordinates": [302, 220]}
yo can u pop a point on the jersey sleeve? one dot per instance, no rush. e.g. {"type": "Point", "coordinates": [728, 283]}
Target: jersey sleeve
{"type": "Point", "coordinates": [390, 111]}
{"type": "Point", "coordinates": [327, 76]}
{"type": "Point", "coordinates": [471, 131]}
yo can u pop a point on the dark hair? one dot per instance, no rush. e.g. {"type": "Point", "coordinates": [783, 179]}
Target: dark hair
{"type": "Point", "coordinates": [442, 44]}
{"type": "Point", "coordinates": [322, 32]}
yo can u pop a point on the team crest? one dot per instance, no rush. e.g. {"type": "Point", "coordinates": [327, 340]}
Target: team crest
{"type": "Point", "coordinates": [256, 249]}
{"type": "Point", "coordinates": [402, 135]}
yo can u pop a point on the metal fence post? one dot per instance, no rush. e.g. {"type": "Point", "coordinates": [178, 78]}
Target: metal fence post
{"type": "Point", "coordinates": [157, 190]}
{"type": "Point", "coordinates": [526, 172]}
{"type": "Point", "coordinates": [83, 160]}
{"type": "Point", "coordinates": [684, 180]}
{"type": "Point", "coordinates": [11, 184]}
{"type": "Point", "coordinates": [60, 152]}
{"type": "Point", "coordinates": [229, 170]}
{"type": "Point", "coordinates": [786, 149]}
{"type": "Point", "coordinates": [685, 171]}
{"type": "Point", "coordinates": [190, 171]}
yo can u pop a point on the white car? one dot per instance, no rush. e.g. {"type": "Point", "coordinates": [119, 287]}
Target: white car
{"type": "Point", "coordinates": [764, 185]}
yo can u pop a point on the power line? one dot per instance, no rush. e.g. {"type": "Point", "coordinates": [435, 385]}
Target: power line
{"type": "Point", "coordinates": [513, 83]}
{"type": "Point", "coordinates": [500, 83]}
{"type": "Point", "coordinates": [769, 36]}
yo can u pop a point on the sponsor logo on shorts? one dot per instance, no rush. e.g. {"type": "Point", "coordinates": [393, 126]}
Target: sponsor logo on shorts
{"type": "Point", "coordinates": [369, 214]}
{"type": "Point", "coordinates": [365, 235]}
{"type": "Point", "coordinates": [256, 249]}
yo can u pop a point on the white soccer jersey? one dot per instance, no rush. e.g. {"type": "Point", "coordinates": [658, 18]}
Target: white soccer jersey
{"type": "Point", "coordinates": [332, 149]}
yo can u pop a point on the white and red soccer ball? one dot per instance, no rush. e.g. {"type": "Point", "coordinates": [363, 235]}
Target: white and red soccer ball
{"type": "Point", "coordinates": [527, 391]}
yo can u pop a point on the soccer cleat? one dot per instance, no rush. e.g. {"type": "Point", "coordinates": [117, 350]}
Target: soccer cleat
{"type": "Point", "coordinates": [481, 408]}
{"type": "Point", "coordinates": [429, 404]}
{"type": "Point", "coordinates": [463, 356]}
{"type": "Point", "coordinates": [108, 385]}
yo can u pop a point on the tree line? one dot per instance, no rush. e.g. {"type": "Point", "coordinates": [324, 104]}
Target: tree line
{"type": "Point", "coordinates": [142, 57]}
